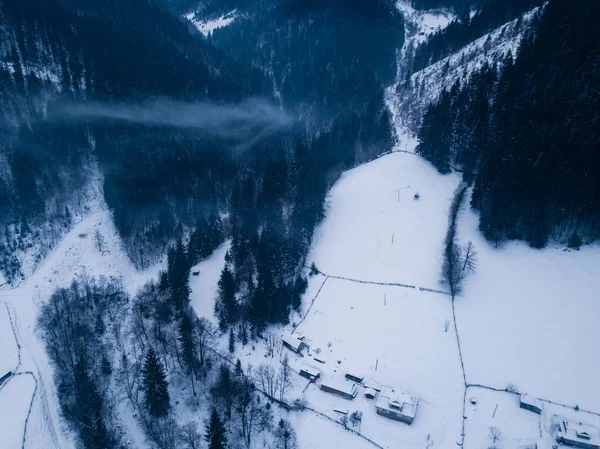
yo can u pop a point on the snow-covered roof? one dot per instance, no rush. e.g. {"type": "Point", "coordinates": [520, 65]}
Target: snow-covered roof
{"type": "Point", "coordinates": [532, 401]}
{"type": "Point", "coordinates": [310, 370]}
{"type": "Point", "coordinates": [399, 402]}
{"type": "Point", "coordinates": [339, 384]}
{"type": "Point", "coordinates": [579, 433]}
{"type": "Point", "coordinates": [292, 341]}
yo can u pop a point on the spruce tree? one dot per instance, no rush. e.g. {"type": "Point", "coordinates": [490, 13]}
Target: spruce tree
{"type": "Point", "coordinates": [215, 432]}
{"type": "Point", "coordinates": [231, 341]}
{"type": "Point", "coordinates": [155, 385]}
{"type": "Point", "coordinates": [226, 305]}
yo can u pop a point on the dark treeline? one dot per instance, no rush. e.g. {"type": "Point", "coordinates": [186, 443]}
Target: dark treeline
{"type": "Point", "coordinates": [466, 29]}
{"type": "Point", "coordinates": [527, 137]}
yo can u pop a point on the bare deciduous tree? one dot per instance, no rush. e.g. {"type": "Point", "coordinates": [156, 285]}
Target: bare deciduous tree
{"type": "Point", "coordinates": [470, 258]}
{"type": "Point", "coordinates": [99, 240]}
{"type": "Point", "coordinates": [495, 434]}
{"type": "Point", "coordinates": [285, 377]}
{"type": "Point", "coordinates": [267, 378]}
{"type": "Point", "coordinates": [205, 334]}
{"type": "Point", "coordinates": [252, 414]}
{"type": "Point", "coordinates": [271, 341]}
{"type": "Point", "coordinates": [189, 436]}
{"type": "Point", "coordinates": [162, 432]}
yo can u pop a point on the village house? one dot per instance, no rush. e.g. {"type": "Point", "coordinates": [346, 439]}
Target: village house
{"type": "Point", "coordinates": [341, 387]}
{"type": "Point", "coordinates": [293, 343]}
{"type": "Point", "coordinates": [578, 435]}
{"type": "Point", "coordinates": [530, 403]}
{"type": "Point", "coordinates": [398, 405]}
{"type": "Point", "coordinates": [310, 373]}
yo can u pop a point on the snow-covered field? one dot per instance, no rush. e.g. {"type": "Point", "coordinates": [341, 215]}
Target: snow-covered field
{"type": "Point", "coordinates": [376, 230]}
{"type": "Point", "coordinates": [9, 356]}
{"type": "Point", "coordinates": [530, 317]}
{"type": "Point", "coordinates": [527, 316]}
{"type": "Point", "coordinates": [15, 397]}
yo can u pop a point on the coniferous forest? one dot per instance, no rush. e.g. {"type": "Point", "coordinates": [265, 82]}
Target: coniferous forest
{"type": "Point", "coordinates": [526, 135]}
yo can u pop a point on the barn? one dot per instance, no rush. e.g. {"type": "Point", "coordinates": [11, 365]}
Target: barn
{"type": "Point", "coordinates": [528, 402]}
{"type": "Point", "coordinates": [310, 373]}
{"type": "Point", "coordinates": [341, 387]}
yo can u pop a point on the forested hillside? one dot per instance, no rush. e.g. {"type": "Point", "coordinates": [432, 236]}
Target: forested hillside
{"type": "Point", "coordinates": [467, 28]}
{"type": "Point", "coordinates": [59, 57]}
{"type": "Point", "coordinates": [527, 137]}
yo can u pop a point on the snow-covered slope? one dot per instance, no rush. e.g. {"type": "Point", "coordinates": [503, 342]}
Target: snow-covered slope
{"type": "Point", "coordinates": [209, 25]}
{"type": "Point", "coordinates": [408, 103]}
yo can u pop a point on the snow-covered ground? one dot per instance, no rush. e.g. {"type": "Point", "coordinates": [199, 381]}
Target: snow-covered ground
{"type": "Point", "coordinates": [530, 317]}
{"type": "Point", "coordinates": [9, 354]}
{"type": "Point", "coordinates": [76, 254]}
{"type": "Point", "coordinates": [15, 397]}
{"type": "Point", "coordinates": [423, 23]}
{"type": "Point", "coordinates": [204, 287]}
{"type": "Point", "coordinates": [527, 316]}
{"type": "Point", "coordinates": [208, 26]}
{"type": "Point", "coordinates": [376, 230]}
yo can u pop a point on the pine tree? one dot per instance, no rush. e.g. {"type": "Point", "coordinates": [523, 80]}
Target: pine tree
{"type": "Point", "coordinates": [231, 341]}
{"type": "Point", "coordinates": [155, 385]}
{"type": "Point", "coordinates": [215, 435]}
{"type": "Point", "coordinates": [226, 305]}
{"type": "Point", "coordinates": [188, 347]}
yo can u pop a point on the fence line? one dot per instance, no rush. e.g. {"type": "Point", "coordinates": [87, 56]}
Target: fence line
{"type": "Point", "coordinates": [311, 304]}
{"type": "Point", "coordinates": [423, 289]}
{"type": "Point", "coordinates": [345, 427]}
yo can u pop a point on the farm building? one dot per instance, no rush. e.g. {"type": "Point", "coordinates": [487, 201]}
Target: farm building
{"type": "Point", "coordinates": [309, 372]}
{"type": "Point", "coordinates": [370, 393]}
{"type": "Point", "coordinates": [293, 343]}
{"type": "Point", "coordinates": [341, 387]}
{"type": "Point", "coordinates": [398, 405]}
{"type": "Point", "coordinates": [354, 377]}
{"type": "Point", "coordinates": [578, 435]}
{"type": "Point", "coordinates": [530, 403]}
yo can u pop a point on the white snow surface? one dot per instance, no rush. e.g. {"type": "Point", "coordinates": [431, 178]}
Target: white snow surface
{"type": "Point", "coordinates": [15, 397]}
{"type": "Point", "coordinates": [9, 353]}
{"type": "Point", "coordinates": [208, 26]}
{"type": "Point", "coordinates": [204, 287]}
{"type": "Point", "coordinates": [373, 204]}
{"type": "Point", "coordinates": [530, 317]}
